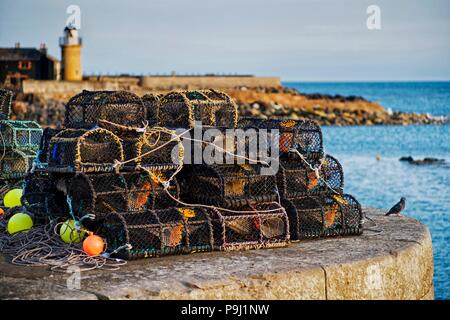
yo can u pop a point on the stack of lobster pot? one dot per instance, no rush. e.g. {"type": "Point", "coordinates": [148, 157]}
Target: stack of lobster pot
{"type": "Point", "coordinates": [241, 202]}
{"type": "Point", "coordinates": [101, 162]}
{"type": "Point", "coordinates": [235, 207]}
{"type": "Point", "coordinates": [310, 183]}
{"type": "Point", "coordinates": [19, 143]}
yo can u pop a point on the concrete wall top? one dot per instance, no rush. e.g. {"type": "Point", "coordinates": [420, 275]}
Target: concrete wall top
{"type": "Point", "coordinates": [396, 264]}
{"type": "Point", "coordinates": [168, 83]}
{"type": "Point", "coordinates": [147, 83]}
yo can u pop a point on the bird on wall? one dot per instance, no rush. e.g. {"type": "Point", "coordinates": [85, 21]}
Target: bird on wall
{"type": "Point", "coordinates": [397, 208]}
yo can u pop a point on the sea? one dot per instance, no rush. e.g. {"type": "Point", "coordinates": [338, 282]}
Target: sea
{"type": "Point", "coordinates": [381, 183]}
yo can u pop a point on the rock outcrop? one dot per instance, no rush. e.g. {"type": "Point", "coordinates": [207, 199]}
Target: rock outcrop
{"type": "Point", "coordinates": [260, 102]}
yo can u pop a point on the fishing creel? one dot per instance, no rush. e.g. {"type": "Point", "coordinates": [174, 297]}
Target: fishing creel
{"type": "Point", "coordinates": [44, 196]}
{"type": "Point", "coordinates": [153, 148]}
{"type": "Point", "coordinates": [152, 233]}
{"type": "Point", "coordinates": [323, 216]}
{"type": "Point", "coordinates": [102, 193]}
{"type": "Point", "coordinates": [120, 107]}
{"type": "Point", "coordinates": [227, 185]}
{"type": "Point", "coordinates": [302, 136]}
{"type": "Point", "coordinates": [80, 150]}
{"type": "Point", "coordinates": [296, 176]}
{"type": "Point", "coordinates": [261, 225]}
{"type": "Point", "coordinates": [185, 109]}
{"type": "Point", "coordinates": [16, 163]}
{"type": "Point", "coordinates": [20, 134]}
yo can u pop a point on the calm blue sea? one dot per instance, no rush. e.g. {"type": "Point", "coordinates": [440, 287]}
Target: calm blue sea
{"type": "Point", "coordinates": [381, 183]}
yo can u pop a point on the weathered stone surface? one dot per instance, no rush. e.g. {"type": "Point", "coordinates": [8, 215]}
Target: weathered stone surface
{"type": "Point", "coordinates": [396, 264]}
{"type": "Point", "coordinates": [22, 288]}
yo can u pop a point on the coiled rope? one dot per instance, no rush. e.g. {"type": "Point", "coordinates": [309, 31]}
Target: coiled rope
{"type": "Point", "coordinates": [42, 246]}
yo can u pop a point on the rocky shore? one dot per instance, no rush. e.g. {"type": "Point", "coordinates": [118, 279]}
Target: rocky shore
{"type": "Point", "coordinates": [325, 109]}
{"type": "Point", "coordinates": [280, 102]}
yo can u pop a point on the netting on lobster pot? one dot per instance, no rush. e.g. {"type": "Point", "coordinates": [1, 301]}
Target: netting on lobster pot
{"type": "Point", "coordinates": [182, 109]}
{"type": "Point", "coordinates": [121, 107]}
{"type": "Point", "coordinates": [159, 148]}
{"type": "Point", "coordinates": [324, 215]}
{"type": "Point", "coordinates": [101, 193]}
{"type": "Point", "coordinates": [16, 163]}
{"type": "Point", "coordinates": [227, 185]}
{"type": "Point", "coordinates": [44, 196]}
{"type": "Point", "coordinates": [261, 225]}
{"type": "Point", "coordinates": [295, 177]}
{"type": "Point", "coordinates": [79, 150]}
{"type": "Point", "coordinates": [304, 136]}
{"type": "Point", "coordinates": [151, 102]}
{"type": "Point", "coordinates": [152, 233]}
{"type": "Point", "coordinates": [20, 134]}
{"type": "Point", "coordinates": [41, 160]}
{"type": "Point", "coordinates": [220, 145]}
{"type": "Point", "coordinates": [151, 148]}
{"type": "Point", "coordinates": [5, 103]}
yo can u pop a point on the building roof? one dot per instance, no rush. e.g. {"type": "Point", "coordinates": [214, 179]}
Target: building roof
{"type": "Point", "coordinates": [16, 54]}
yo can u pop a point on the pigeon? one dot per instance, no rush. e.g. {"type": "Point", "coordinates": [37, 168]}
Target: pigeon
{"type": "Point", "coordinates": [397, 208]}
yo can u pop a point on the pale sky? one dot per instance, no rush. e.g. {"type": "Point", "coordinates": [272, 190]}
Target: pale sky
{"type": "Point", "coordinates": [306, 40]}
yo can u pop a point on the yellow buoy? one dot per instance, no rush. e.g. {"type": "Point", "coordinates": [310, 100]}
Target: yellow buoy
{"type": "Point", "coordinates": [12, 198]}
{"type": "Point", "coordinates": [19, 222]}
{"type": "Point", "coordinates": [70, 233]}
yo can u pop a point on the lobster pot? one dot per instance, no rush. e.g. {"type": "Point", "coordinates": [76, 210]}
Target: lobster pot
{"type": "Point", "coordinates": [228, 185]}
{"type": "Point", "coordinates": [151, 148]}
{"type": "Point", "coordinates": [155, 149]}
{"type": "Point", "coordinates": [151, 102]}
{"type": "Point", "coordinates": [120, 107]}
{"type": "Point", "coordinates": [182, 109]}
{"type": "Point", "coordinates": [295, 177]}
{"type": "Point", "coordinates": [101, 193]}
{"type": "Point", "coordinates": [304, 136]}
{"type": "Point", "coordinates": [5, 104]}
{"type": "Point", "coordinates": [151, 233]}
{"type": "Point", "coordinates": [322, 216]}
{"type": "Point", "coordinates": [20, 134]}
{"type": "Point", "coordinates": [79, 150]}
{"type": "Point", "coordinates": [16, 163]}
{"type": "Point", "coordinates": [41, 160]}
{"type": "Point", "coordinates": [160, 148]}
{"type": "Point", "coordinates": [220, 145]}
{"type": "Point", "coordinates": [262, 225]}
{"type": "Point", "coordinates": [44, 197]}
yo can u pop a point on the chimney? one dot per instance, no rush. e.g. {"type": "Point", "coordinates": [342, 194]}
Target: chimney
{"type": "Point", "coordinates": [17, 45]}
{"type": "Point", "coordinates": [43, 48]}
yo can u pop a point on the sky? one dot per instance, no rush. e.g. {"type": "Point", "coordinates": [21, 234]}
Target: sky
{"type": "Point", "coordinates": [304, 40]}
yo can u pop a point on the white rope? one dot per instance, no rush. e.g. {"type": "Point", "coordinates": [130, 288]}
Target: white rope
{"type": "Point", "coordinates": [174, 137]}
{"type": "Point", "coordinates": [228, 152]}
{"type": "Point", "coordinates": [316, 170]}
{"type": "Point", "coordinates": [118, 163]}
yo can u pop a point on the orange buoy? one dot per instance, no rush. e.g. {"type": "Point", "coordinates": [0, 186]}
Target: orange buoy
{"type": "Point", "coordinates": [93, 245]}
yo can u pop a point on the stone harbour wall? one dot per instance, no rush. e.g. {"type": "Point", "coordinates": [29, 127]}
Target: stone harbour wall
{"type": "Point", "coordinates": [394, 264]}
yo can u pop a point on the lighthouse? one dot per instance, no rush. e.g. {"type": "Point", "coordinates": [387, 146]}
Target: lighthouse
{"type": "Point", "coordinates": [70, 44]}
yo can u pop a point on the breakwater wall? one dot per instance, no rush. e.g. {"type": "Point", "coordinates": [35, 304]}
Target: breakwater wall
{"type": "Point", "coordinates": [141, 84]}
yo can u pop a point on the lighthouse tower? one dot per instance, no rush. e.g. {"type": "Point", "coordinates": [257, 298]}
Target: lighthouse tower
{"type": "Point", "coordinates": [70, 44]}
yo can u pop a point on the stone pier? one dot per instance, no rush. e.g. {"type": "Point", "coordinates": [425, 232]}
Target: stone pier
{"type": "Point", "coordinates": [394, 264]}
